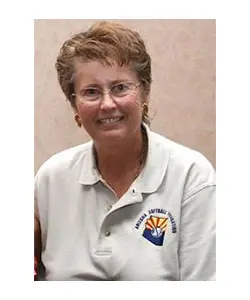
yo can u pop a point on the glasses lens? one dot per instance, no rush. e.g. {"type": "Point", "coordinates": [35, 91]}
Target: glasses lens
{"type": "Point", "coordinates": [91, 94]}
{"type": "Point", "coordinates": [122, 89]}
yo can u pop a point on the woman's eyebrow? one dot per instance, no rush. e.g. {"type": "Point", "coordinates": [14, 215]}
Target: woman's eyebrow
{"type": "Point", "coordinates": [91, 85]}
{"type": "Point", "coordinates": [110, 83]}
{"type": "Point", "coordinates": [118, 81]}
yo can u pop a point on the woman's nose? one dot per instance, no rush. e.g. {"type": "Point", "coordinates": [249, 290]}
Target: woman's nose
{"type": "Point", "coordinates": [107, 102]}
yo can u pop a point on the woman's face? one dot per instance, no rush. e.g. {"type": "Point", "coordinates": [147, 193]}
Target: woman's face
{"type": "Point", "coordinates": [108, 118]}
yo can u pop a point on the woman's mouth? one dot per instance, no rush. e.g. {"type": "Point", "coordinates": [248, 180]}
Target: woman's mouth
{"type": "Point", "coordinates": [110, 120]}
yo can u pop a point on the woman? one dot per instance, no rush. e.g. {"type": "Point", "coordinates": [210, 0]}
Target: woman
{"type": "Point", "coordinates": [130, 204]}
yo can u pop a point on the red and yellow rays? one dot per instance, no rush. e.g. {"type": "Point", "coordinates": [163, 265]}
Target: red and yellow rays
{"type": "Point", "coordinates": [156, 222]}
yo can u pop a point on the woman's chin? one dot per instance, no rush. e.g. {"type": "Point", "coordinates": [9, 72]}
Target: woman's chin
{"type": "Point", "coordinates": [111, 135]}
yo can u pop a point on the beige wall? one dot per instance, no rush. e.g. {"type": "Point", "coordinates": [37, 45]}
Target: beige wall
{"type": "Point", "coordinates": [183, 90]}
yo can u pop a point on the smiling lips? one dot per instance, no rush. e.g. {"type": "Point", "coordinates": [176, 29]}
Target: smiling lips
{"type": "Point", "coordinates": [110, 120]}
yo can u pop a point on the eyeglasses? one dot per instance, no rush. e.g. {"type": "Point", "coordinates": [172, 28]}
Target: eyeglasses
{"type": "Point", "coordinates": [117, 91]}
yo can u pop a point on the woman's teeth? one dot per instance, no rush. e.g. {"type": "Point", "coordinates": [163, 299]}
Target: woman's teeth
{"type": "Point", "coordinates": [110, 120]}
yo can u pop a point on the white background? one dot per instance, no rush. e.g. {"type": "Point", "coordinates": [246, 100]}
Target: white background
{"type": "Point", "coordinates": [17, 148]}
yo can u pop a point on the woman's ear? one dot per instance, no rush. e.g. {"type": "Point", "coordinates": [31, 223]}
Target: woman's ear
{"type": "Point", "coordinates": [78, 120]}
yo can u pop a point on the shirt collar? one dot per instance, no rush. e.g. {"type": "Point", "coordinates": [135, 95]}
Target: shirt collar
{"type": "Point", "coordinates": [152, 174]}
{"type": "Point", "coordinates": [89, 173]}
{"type": "Point", "coordinates": [156, 164]}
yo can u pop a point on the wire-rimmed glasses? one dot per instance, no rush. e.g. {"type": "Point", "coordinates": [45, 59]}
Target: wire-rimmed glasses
{"type": "Point", "coordinates": [116, 91]}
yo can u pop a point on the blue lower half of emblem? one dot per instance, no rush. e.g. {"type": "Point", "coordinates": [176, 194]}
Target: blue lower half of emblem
{"type": "Point", "coordinates": [156, 239]}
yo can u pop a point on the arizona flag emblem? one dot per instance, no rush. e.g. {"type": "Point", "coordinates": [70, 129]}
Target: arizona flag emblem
{"type": "Point", "coordinates": [155, 228]}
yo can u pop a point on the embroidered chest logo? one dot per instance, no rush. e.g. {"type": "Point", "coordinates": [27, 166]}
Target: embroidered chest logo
{"type": "Point", "coordinates": [156, 226]}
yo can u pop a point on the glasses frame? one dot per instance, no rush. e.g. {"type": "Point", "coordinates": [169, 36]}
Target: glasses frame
{"type": "Point", "coordinates": [105, 91]}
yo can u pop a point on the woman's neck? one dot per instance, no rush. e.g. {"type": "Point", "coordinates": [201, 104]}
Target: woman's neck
{"type": "Point", "coordinates": [120, 159]}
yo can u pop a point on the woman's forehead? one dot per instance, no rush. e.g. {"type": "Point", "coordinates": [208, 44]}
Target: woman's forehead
{"type": "Point", "coordinates": [101, 73]}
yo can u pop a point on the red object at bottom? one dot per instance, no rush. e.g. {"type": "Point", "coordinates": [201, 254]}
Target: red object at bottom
{"type": "Point", "coordinates": [35, 266]}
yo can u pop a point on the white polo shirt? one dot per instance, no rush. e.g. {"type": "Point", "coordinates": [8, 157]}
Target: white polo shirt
{"type": "Point", "coordinates": [163, 227]}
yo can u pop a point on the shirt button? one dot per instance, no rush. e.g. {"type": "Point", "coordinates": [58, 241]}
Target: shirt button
{"type": "Point", "coordinates": [107, 233]}
{"type": "Point", "coordinates": [108, 208]}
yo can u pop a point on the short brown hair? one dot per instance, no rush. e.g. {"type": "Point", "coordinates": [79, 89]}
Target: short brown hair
{"type": "Point", "coordinates": [107, 42]}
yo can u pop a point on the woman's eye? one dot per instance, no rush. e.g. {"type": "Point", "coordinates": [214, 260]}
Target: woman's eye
{"type": "Point", "coordinates": [91, 92]}
{"type": "Point", "coordinates": [120, 88]}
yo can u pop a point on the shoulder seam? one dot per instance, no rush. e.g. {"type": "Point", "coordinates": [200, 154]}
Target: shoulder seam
{"type": "Point", "coordinates": [199, 189]}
